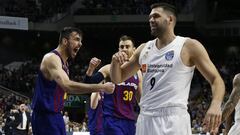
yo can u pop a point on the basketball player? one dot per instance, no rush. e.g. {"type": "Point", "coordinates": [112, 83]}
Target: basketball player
{"type": "Point", "coordinates": [95, 112]}
{"type": "Point", "coordinates": [233, 102]}
{"type": "Point", "coordinates": [118, 108]}
{"type": "Point", "coordinates": [53, 81]}
{"type": "Point", "coordinates": [168, 64]}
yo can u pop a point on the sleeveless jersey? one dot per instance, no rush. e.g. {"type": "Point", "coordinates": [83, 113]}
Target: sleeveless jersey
{"type": "Point", "coordinates": [166, 80]}
{"type": "Point", "coordinates": [95, 121]}
{"type": "Point", "coordinates": [48, 95]}
{"type": "Point", "coordinates": [121, 103]}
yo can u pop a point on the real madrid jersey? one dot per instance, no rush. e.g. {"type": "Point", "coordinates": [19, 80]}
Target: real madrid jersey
{"type": "Point", "coordinates": [166, 80]}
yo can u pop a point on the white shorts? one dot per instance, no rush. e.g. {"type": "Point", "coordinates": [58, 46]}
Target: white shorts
{"type": "Point", "coordinates": [165, 121]}
{"type": "Point", "coordinates": [235, 129]}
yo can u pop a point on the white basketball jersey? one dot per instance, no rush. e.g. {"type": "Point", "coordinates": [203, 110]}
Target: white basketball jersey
{"type": "Point", "coordinates": [166, 80]}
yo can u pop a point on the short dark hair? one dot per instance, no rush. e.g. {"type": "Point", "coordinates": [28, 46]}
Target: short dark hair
{"type": "Point", "coordinates": [125, 37]}
{"type": "Point", "coordinates": [166, 6]}
{"type": "Point", "coordinates": [66, 31]}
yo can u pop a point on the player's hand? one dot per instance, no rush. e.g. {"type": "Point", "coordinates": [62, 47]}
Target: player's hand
{"type": "Point", "coordinates": [120, 57]}
{"type": "Point", "coordinates": [109, 87]}
{"type": "Point", "coordinates": [213, 118]}
{"type": "Point", "coordinates": [93, 64]}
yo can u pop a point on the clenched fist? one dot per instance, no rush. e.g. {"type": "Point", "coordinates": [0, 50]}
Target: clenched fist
{"type": "Point", "coordinates": [109, 87]}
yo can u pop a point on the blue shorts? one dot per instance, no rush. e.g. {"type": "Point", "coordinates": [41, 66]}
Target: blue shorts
{"type": "Point", "coordinates": [48, 124]}
{"type": "Point", "coordinates": [117, 126]}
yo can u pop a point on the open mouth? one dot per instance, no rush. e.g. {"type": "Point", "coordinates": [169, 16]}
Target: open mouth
{"type": "Point", "coordinates": [76, 50]}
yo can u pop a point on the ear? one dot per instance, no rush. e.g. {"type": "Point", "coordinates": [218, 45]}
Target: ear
{"type": "Point", "coordinates": [170, 18]}
{"type": "Point", "coordinates": [64, 41]}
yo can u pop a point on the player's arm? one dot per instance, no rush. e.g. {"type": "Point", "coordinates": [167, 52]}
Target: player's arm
{"type": "Point", "coordinates": [53, 66]}
{"type": "Point", "coordinates": [98, 76]}
{"type": "Point", "coordinates": [94, 100]}
{"type": "Point", "coordinates": [139, 91]}
{"type": "Point", "coordinates": [233, 98]}
{"type": "Point", "coordinates": [199, 57]}
{"type": "Point", "coordinates": [228, 123]}
{"type": "Point", "coordinates": [105, 70]}
{"type": "Point", "coordinates": [93, 64]}
{"type": "Point", "coordinates": [122, 68]}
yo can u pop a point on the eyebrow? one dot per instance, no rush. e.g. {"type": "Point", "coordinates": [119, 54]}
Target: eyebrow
{"type": "Point", "coordinates": [125, 45]}
{"type": "Point", "coordinates": [154, 14]}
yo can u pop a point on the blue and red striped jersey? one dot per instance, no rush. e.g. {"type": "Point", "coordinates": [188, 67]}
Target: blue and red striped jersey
{"type": "Point", "coordinates": [48, 95]}
{"type": "Point", "coordinates": [121, 103]}
{"type": "Point", "coordinates": [95, 118]}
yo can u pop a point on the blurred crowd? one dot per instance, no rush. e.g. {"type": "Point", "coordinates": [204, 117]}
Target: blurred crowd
{"type": "Point", "coordinates": [129, 7]}
{"type": "Point", "coordinates": [34, 10]}
{"type": "Point", "coordinates": [41, 10]}
{"type": "Point", "coordinates": [11, 109]}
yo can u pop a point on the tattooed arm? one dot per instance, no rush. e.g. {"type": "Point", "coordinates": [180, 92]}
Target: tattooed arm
{"type": "Point", "coordinates": [233, 98]}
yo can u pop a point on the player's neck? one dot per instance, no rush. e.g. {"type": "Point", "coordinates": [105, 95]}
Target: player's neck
{"type": "Point", "coordinates": [62, 52]}
{"type": "Point", "coordinates": [165, 40]}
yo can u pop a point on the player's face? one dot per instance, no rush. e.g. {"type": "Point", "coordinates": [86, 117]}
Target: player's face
{"type": "Point", "coordinates": [74, 43]}
{"type": "Point", "coordinates": [159, 21]}
{"type": "Point", "coordinates": [127, 47]}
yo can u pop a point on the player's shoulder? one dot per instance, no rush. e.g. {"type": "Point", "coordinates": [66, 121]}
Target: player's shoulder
{"type": "Point", "coordinates": [48, 56]}
{"type": "Point", "coordinates": [50, 59]}
{"type": "Point", "coordinates": [106, 67]}
{"type": "Point", "coordinates": [142, 45]}
{"type": "Point", "coordinates": [105, 70]}
{"type": "Point", "coordinates": [190, 42]}
{"type": "Point", "coordinates": [147, 44]}
{"type": "Point", "coordinates": [140, 48]}
{"type": "Point", "coordinates": [193, 46]}
{"type": "Point", "coordinates": [237, 77]}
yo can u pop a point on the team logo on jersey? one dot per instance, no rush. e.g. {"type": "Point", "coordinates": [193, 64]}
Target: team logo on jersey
{"type": "Point", "coordinates": [144, 68]}
{"type": "Point", "coordinates": [169, 55]}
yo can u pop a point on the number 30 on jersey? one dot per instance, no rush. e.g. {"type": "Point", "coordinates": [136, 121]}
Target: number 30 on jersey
{"type": "Point", "coordinates": [127, 95]}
